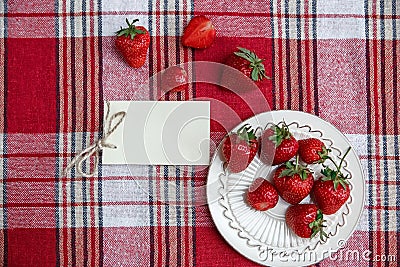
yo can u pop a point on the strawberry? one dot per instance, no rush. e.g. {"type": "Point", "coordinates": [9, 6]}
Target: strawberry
{"type": "Point", "coordinates": [199, 33]}
{"type": "Point", "coordinates": [240, 148]}
{"type": "Point", "coordinates": [246, 62]}
{"type": "Point", "coordinates": [293, 182]}
{"type": "Point", "coordinates": [331, 190]}
{"type": "Point", "coordinates": [306, 221]}
{"type": "Point", "coordinates": [262, 195]}
{"type": "Point", "coordinates": [313, 150]}
{"type": "Point", "coordinates": [174, 79]}
{"type": "Point", "coordinates": [280, 140]}
{"type": "Point", "coordinates": [133, 42]}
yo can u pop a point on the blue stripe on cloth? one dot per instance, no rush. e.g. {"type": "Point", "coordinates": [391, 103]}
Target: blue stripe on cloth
{"type": "Point", "coordinates": [150, 171]}
{"type": "Point", "coordinates": [178, 217]}
{"type": "Point", "coordinates": [177, 42]}
{"type": "Point", "coordinates": [166, 217]}
{"type": "Point", "coordinates": [315, 56]}
{"type": "Point", "coordinates": [100, 134]}
{"type": "Point", "coordinates": [193, 205]}
{"type": "Point", "coordinates": [384, 131]}
{"type": "Point", "coordinates": [73, 136]}
{"type": "Point", "coordinates": [58, 164]}
{"type": "Point", "coordinates": [177, 172]}
{"type": "Point", "coordinates": [84, 136]}
{"type": "Point", "coordinates": [192, 183]}
{"type": "Point", "coordinates": [5, 86]}
{"type": "Point", "coordinates": [151, 214]}
{"type": "Point", "coordinates": [166, 195]}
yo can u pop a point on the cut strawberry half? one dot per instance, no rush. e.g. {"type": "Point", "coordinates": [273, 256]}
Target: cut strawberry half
{"type": "Point", "coordinates": [199, 33]}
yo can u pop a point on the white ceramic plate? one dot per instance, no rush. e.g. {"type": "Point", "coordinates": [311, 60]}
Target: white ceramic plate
{"type": "Point", "coordinates": [264, 236]}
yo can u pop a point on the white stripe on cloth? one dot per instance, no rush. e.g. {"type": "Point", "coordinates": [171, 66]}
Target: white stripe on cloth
{"type": "Point", "coordinates": [351, 7]}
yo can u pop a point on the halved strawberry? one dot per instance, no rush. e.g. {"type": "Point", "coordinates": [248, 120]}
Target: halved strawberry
{"type": "Point", "coordinates": [262, 195]}
{"type": "Point", "coordinates": [199, 33]}
{"type": "Point", "coordinates": [240, 148]}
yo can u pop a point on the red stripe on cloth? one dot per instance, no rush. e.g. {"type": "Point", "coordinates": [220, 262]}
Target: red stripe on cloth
{"type": "Point", "coordinates": [213, 250]}
{"type": "Point", "coordinates": [31, 247]}
{"type": "Point", "coordinates": [26, 27]}
{"type": "Point", "coordinates": [126, 246]}
{"type": "Point", "coordinates": [31, 100]}
{"type": "Point", "coordinates": [238, 109]}
{"type": "Point", "coordinates": [39, 7]}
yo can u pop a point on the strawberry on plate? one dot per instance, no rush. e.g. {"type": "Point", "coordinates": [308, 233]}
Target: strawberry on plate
{"type": "Point", "coordinates": [133, 42]}
{"type": "Point", "coordinates": [247, 64]}
{"type": "Point", "coordinates": [174, 79]}
{"type": "Point", "coordinates": [262, 195]}
{"type": "Point", "coordinates": [240, 148]}
{"type": "Point", "coordinates": [293, 182]}
{"type": "Point", "coordinates": [199, 33]}
{"type": "Point", "coordinates": [306, 221]}
{"type": "Point", "coordinates": [331, 190]}
{"type": "Point", "coordinates": [313, 150]}
{"type": "Point", "coordinates": [277, 145]}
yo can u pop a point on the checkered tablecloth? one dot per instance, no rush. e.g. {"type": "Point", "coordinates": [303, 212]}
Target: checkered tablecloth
{"type": "Point", "coordinates": [335, 59]}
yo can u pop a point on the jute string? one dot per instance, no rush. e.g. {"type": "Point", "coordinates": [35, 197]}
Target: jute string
{"type": "Point", "coordinates": [94, 149]}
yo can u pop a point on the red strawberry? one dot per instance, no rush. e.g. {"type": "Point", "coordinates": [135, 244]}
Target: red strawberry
{"type": "Point", "coordinates": [293, 182]}
{"type": "Point", "coordinates": [332, 190]}
{"type": "Point", "coordinates": [240, 148]}
{"type": "Point", "coordinates": [262, 195]}
{"type": "Point", "coordinates": [199, 33]}
{"type": "Point", "coordinates": [306, 221]}
{"type": "Point", "coordinates": [313, 150]}
{"type": "Point", "coordinates": [174, 79]}
{"type": "Point", "coordinates": [280, 140]}
{"type": "Point", "coordinates": [248, 63]}
{"type": "Point", "coordinates": [133, 42]}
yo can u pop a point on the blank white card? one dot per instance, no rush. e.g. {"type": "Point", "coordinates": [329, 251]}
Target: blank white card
{"type": "Point", "coordinates": [160, 133]}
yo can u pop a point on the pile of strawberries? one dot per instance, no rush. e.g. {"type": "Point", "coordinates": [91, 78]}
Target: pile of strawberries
{"type": "Point", "coordinates": [133, 42]}
{"type": "Point", "coordinates": [292, 180]}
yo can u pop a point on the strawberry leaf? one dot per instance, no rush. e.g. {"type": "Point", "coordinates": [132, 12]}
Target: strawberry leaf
{"type": "Point", "coordinates": [131, 31]}
{"type": "Point", "coordinates": [280, 133]}
{"type": "Point", "coordinates": [317, 226]}
{"type": "Point", "coordinates": [247, 133]}
{"type": "Point", "coordinates": [293, 169]}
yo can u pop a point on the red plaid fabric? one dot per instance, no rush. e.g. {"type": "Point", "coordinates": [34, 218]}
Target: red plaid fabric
{"type": "Point", "coordinates": [336, 59]}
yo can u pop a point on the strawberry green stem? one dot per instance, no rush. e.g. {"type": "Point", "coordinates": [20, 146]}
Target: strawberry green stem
{"type": "Point", "coordinates": [341, 161]}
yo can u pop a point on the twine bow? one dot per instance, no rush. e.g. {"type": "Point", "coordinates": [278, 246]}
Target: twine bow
{"type": "Point", "coordinates": [94, 149]}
